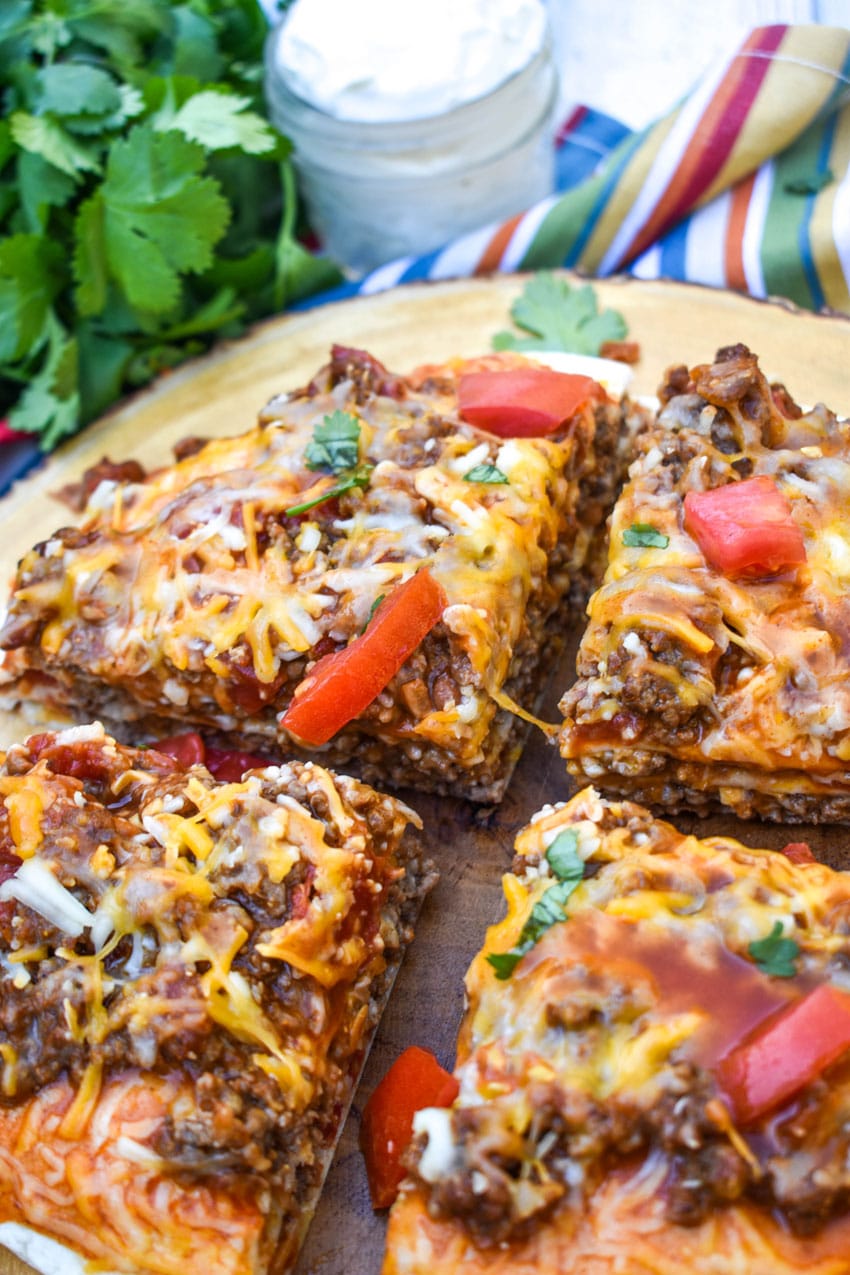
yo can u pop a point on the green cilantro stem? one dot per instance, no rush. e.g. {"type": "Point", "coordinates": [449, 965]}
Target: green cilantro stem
{"type": "Point", "coordinates": [357, 478]}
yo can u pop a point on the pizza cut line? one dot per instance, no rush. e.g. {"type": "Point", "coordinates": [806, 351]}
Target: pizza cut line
{"type": "Point", "coordinates": [653, 1067]}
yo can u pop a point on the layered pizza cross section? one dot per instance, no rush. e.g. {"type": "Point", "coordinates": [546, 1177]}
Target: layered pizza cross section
{"type": "Point", "coordinates": [376, 571]}
{"type": "Point", "coordinates": [715, 668]}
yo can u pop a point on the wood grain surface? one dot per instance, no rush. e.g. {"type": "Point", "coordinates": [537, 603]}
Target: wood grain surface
{"type": "Point", "coordinates": [221, 394]}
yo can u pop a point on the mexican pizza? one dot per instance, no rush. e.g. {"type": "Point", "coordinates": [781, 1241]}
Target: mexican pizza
{"type": "Point", "coordinates": [653, 1072]}
{"type": "Point", "coordinates": [715, 668]}
{"type": "Point", "coordinates": [375, 572]}
{"type": "Point", "coordinates": [190, 974]}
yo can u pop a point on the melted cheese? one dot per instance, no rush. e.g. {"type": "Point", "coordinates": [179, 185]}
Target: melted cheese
{"type": "Point", "coordinates": [784, 717]}
{"type": "Point", "coordinates": [679, 900]}
{"type": "Point", "coordinates": [214, 582]}
{"type": "Point", "coordinates": [173, 881]}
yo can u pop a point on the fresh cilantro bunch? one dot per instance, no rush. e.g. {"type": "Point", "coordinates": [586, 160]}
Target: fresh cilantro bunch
{"type": "Point", "coordinates": [146, 204]}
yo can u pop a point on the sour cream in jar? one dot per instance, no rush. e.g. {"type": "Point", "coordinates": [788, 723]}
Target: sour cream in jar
{"type": "Point", "coordinates": [412, 124]}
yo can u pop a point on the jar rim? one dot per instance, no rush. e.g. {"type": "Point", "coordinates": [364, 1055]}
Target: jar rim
{"type": "Point", "coordinates": [317, 120]}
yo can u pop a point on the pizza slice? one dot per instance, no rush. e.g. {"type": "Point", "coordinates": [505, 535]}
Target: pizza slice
{"type": "Point", "coordinates": [375, 572]}
{"type": "Point", "coordinates": [653, 1068]}
{"type": "Point", "coordinates": [715, 668]}
{"type": "Point", "coordinates": [191, 973]}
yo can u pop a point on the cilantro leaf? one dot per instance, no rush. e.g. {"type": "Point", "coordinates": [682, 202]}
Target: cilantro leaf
{"type": "Point", "coordinates": [336, 443]}
{"type": "Point", "coordinates": [45, 137]}
{"type": "Point", "coordinates": [50, 405]}
{"type": "Point", "coordinates": [642, 535]}
{"type": "Point", "coordinates": [563, 856]}
{"type": "Point", "coordinates": [196, 46]}
{"type": "Point", "coordinates": [485, 474]}
{"type": "Point", "coordinates": [41, 187]}
{"type": "Point", "coordinates": [103, 367]}
{"type": "Point", "coordinates": [158, 217]}
{"type": "Point", "coordinates": [220, 120]}
{"type": "Point", "coordinates": [775, 954]}
{"type": "Point", "coordinates": [568, 866]}
{"type": "Point", "coordinates": [560, 317]}
{"type": "Point", "coordinates": [75, 88]}
{"type": "Point", "coordinates": [118, 29]}
{"type": "Point", "coordinates": [91, 267]}
{"type": "Point", "coordinates": [135, 146]}
{"type": "Point", "coordinates": [29, 280]}
{"type": "Point", "coordinates": [358, 477]}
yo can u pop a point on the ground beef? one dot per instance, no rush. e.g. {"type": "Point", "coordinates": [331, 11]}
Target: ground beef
{"type": "Point", "coordinates": [244, 1119]}
{"type": "Point", "coordinates": [706, 1171]}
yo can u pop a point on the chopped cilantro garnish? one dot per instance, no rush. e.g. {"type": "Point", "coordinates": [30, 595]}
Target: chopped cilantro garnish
{"type": "Point", "coordinates": [336, 443]}
{"type": "Point", "coordinates": [485, 474]}
{"type": "Point", "coordinates": [568, 866]}
{"type": "Point", "coordinates": [559, 317]}
{"type": "Point", "coordinates": [642, 535]}
{"type": "Point", "coordinates": [358, 477]}
{"type": "Point", "coordinates": [335, 448]}
{"type": "Point", "coordinates": [563, 856]}
{"type": "Point", "coordinates": [775, 954]}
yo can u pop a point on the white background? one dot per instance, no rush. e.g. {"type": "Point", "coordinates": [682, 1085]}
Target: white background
{"type": "Point", "coordinates": [634, 59]}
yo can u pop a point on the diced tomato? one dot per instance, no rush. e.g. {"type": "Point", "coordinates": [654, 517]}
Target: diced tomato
{"type": "Point", "coordinates": [341, 685]}
{"type": "Point", "coordinates": [523, 402]}
{"type": "Point", "coordinates": [230, 765]}
{"type": "Point", "coordinates": [799, 852]}
{"type": "Point", "coordinates": [787, 1053]}
{"type": "Point", "coordinates": [414, 1081]}
{"type": "Point", "coordinates": [187, 749]}
{"type": "Point", "coordinates": [745, 528]}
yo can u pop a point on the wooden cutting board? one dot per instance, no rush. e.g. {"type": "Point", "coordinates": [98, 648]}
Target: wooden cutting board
{"type": "Point", "coordinates": [429, 322]}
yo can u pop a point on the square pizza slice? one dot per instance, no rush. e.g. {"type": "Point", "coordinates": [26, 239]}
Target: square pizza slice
{"type": "Point", "coordinates": [191, 974]}
{"type": "Point", "coordinates": [653, 1072]}
{"type": "Point", "coordinates": [715, 667]}
{"type": "Point", "coordinates": [375, 571]}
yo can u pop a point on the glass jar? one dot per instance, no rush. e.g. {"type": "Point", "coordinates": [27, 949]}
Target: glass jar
{"type": "Point", "coordinates": [375, 191]}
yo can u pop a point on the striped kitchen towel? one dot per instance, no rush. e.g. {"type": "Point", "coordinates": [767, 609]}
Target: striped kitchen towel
{"type": "Point", "coordinates": [744, 185]}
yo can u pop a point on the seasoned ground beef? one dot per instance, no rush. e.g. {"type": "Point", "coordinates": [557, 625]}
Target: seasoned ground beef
{"type": "Point", "coordinates": [107, 838]}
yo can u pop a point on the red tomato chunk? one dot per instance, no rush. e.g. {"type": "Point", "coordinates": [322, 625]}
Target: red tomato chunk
{"type": "Point", "coordinates": [787, 1053]}
{"type": "Point", "coordinates": [523, 402]}
{"type": "Point", "coordinates": [799, 852]}
{"type": "Point", "coordinates": [187, 749]}
{"type": "Point", "coordinates": [341, 685]}
{"type": "Point", "coordinates": [745, 528]}
{"type": "Point", "coordinates": [414, 1081]}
